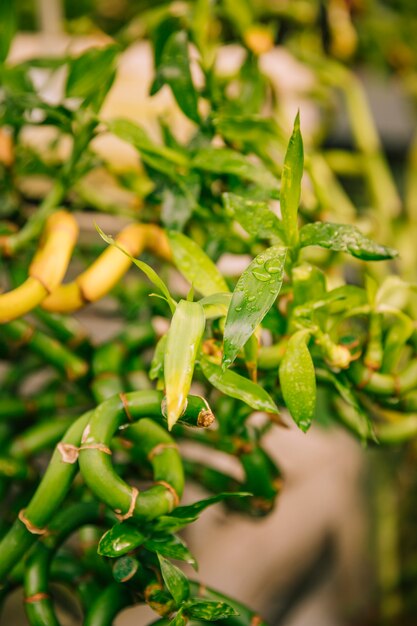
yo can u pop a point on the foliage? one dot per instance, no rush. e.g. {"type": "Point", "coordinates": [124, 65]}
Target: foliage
{"type": "Point", "coordinates": [312, 315]}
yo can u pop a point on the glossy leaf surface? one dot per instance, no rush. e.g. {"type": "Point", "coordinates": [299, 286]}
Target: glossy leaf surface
{"type": "Point", "coordinates": [176, 582]}
{"type": "Point", "coordinates": [174, 70]}
{"type": "Point", "coordinates": [298, 380]}
{"type": "Point", "coordinates": [209, 610]}
{"type": "Point", "coordinates": [253, 296]}
{"type": "Point", "coordinates": [121, 539]}
{"type": "Point", "coordinates": [292, 174]}
{"type": "Point", "coordinates": [192, 510]}
{"type": "Point", "coordinates": [195, 265]}
{"type": "Point", "coordinates": [237, 386]}
{"type": "Point", "coordinates": [255, 216]}
{"type": "Point", "coordinates": [226, 161]}
{"type": "Point", "coordinates": [344, 238]}
{"type": "Point", "coordinates": [171, 547]}
{"type": "Point", "coordinates": [183, 341]}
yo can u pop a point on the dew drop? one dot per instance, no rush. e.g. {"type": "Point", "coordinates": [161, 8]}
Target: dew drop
{"type": "Point", "coordinates": [261, 276]}
{"type": "Point", "coordinates": [272, 266]}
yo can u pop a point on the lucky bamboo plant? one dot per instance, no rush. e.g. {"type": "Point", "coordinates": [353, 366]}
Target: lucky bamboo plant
{"type": "Point", "coordinates": [300, 321]}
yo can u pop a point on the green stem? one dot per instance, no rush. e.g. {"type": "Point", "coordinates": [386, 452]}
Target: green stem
{"type": "Point", "coordinates": [40, 610]}
{"type": "Point", "coordinates": [21, 333]}
{"type": "Point", "coordinates": [33, 227]}
{"type": "Point", "coordinates": [107, 605]}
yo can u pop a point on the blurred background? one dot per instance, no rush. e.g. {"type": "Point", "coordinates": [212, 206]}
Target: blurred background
{"type": "Point", "coordinates": [342, 538]}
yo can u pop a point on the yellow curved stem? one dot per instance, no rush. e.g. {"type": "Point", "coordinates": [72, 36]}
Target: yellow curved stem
{"type": "Point", "coordinates": [102, 275]}
{"type": "Point", "coordinates": [46, 270]}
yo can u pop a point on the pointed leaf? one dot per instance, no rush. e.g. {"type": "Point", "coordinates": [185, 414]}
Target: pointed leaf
{"type": "Point", "coordinates": [171, 523]}
{"type": "Point", "coordinates": [120, 539]}
{"type": "Point", "coordinates": [226, 161]}
{"type": "Point", "coordinates": [359, 422]}
{"type": "Point", "coordinates": [292, 174]}
{"type": "Point", "coordinates": [157, 364]}
{"type": "Point", "coordinates": [298, 380]}
{"type": "Point", "coordinates": [195, 265]}
{"type": "Point", "coordinates": [192, 510]}
{"type": "Point", "coordinates": [137, 137]}
{"type": "Point", "coordinates": [238, 387]}
{"type": "Point", "coordinates": [184, 337]}
{"type": "Point", "coordinates": [209, 610]}
{"type": "Point", "coordinates": [171, 547]}
{"type": "Point", "coordinates": [84, 83]}
{"type": "Point", "coordinates": [174, 70]}
{"type": "Point", "coordinates": [255, 216]}
{"type": "Point", "coordinates": [254, 294]}
{"type": "Point", "coordinates": [7, 26]}
{"type": "Point", "coordinates": [344, 238]}
{"type": "Point", "coordinates": [216, 305]}
{"type": "Point", "coordinates": [146, 269]}
{"type": "Point", "coordinates": [175, 581]}
{"type": "Point", "coordinates": [179, 620]}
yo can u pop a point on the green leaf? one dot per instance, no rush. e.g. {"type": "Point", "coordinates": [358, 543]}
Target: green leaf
{"type": "Point", "coordinates": [195, 265]}
{"type": "Point", "coordinates": [238, 387]}
{"type": "Point", "coordinates": [137, 137]}
{"type": "Point", "coordinates": [193, 510]}
{"type": "Point", "coordinates": [344, 238]}
{"type": "Point", "coordinates": [255, 216]}
{"type": "Point", "coordinates": [177, 206]}
{"type": "Point", "coordinates": [292, 174]}
{"type": "Point", "coordinates": [146, 269]}
{"type": "Point", "coordinates": [125, 568]}
{"type": "Point", "coordinates": [298, 380]}
{"type": "Point", "coordinates": [174, 70]}
{"type": "Point", "coordinates": [339, 300]}
{"type": "Point", "coordinates": [209, 610]}
{"type": "Point", "coordinates": [254, 294]}
{"type": "Point", "coordinates": [252, 130]}
{"type": "Point", "coordinates": [171, 547]}
{"type": "Point", "coordinates": [399, 332]}
{"type": "Point", "coordinates": [171, 523]}
{"type": "Point", "coordinates": [120, 540]}
{"type": "Point", "coordinates": [175, 581]}
{"type": "Point", "coordinates": [216, 305]}
{"type": "Point", "coordinates": [226, 161]}
{"type": "Point", "coordinates": [179, 620]}
{"type": "Point", "coordinates": [309, 283]}
{"type": "Point", "coordinates": [359, 421]}
{"type": "Point", "coordinates": [184, 337]}
{"type": "Point", "coordinates": [7, 26]}
{"type": "Point", "coordinates": [91, 74]}
{"type": "Point", "coordinates": [157, 364]}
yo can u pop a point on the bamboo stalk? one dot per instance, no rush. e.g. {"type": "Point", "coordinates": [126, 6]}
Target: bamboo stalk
{"type": "Point", "coordinates": [59, 475]}
{"type": "Point", "coordinates": [19, 333]}
{"type": "Point", "coordinates": [46, 270]}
